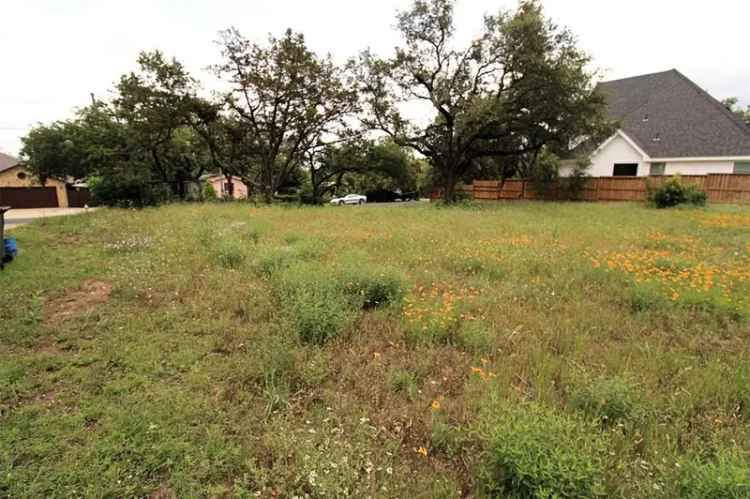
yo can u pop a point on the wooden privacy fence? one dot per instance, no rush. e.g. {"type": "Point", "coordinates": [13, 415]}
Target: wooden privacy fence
{"type": "Point", "coordinates": [721, 188]}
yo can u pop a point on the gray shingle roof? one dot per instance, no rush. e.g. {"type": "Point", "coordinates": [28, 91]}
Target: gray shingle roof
{"type": "Point", "coordinates": [7, 162]}
{"type": "Point", "coordinates": [686, 120]}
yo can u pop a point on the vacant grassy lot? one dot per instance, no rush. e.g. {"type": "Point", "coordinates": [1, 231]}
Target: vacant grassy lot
{"type": "Point", "coordinates": [520, 350]}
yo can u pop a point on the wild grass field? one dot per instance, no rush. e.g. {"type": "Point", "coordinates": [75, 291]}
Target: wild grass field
{"type": "Point", "coordinates": [504, 350]}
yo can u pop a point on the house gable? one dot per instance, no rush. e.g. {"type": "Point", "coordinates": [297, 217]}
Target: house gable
{"type": "Point", "coordinates": [618, 150]}
{"type": "Point", "coordinates": [669, 116]}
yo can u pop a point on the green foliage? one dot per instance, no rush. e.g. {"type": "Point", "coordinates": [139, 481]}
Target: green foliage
{"type": "Point", "coordinates": [317, 99]}
{"type": "Point", "coordinates": [145, 146]}
{"type": "Point", "coordinates": [609, 400]}
{"type": "Point", "coordinates": [742, 114]}
{"type": "Point", "coordinates": [271, 260]}
{"type": "Point", "coordinates": [726, 477]}
{"type": "Point", "coordinates": [520, 53]}
{"type": "Point", "coordinates": [576, 181]}
{"type": "Point", "coordinates": [317, 309]}
{"type": "Point", "coordinates": [51, 151]}
{"type": "Point", "coordinates": [209, 193]}
{"type": "Point", "coordinates": [362, 166]}
{"type": "Point", "coordinates": [537, 453]}
{"type": "Point", "coordinates": [403, 381]}
{"type": "Point", "coordinates": [229, 253]}
{"type": "Point", "coordinates": [203, 374]}
{"type": "Point", "coordinates": [646, 297]}
{"type": "Point", "coordinates": [543, 170]}
{"type": "Point", "coordinates": [444, 437]}
{"type": "Point", "coordinates": [127, 190]}
{"type": "Point", "coordinates": [322, 303]}
{"type": "Point", "coordinates": [368, 286]}
{"type": "Point", "coordinates": [674, 192]}
{"type": "Point", "coordinates": [475, 337]}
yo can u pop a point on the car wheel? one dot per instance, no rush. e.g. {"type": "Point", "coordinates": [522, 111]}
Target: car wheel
{"type": "Point", "coordinates": [361, 202]}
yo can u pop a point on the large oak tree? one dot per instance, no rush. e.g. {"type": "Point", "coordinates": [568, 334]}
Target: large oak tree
{"type": "Point", "coordinates": [519, 87]}
{"type": "Point", "coordinates": [284, 102]}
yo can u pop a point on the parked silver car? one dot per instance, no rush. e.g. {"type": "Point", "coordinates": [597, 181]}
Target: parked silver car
{"type": "Point", "coordinates": [350, 199]}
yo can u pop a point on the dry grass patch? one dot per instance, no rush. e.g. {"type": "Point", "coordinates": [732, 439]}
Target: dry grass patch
{"type": "Point", "coordinates": [78, 302]}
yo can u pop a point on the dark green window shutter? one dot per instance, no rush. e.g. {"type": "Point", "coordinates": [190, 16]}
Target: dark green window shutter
{"type": "Point", "coordinates": [742, 168]}
{"type": "Point", "coordinates": [658, 168]}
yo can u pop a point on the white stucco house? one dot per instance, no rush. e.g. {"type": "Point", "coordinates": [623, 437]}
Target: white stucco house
{"type": "Point", "coordinates": [668, 125]}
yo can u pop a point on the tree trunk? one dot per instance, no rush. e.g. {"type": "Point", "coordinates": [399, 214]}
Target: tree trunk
{"type": "Point", "coordinates": [230, 183]}
{"type": "Point", "coordinates": [449, 189]}
{"type": "Point", "coordinates": [268, 194]}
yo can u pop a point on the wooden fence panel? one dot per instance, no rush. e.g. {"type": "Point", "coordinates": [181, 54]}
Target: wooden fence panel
{"type": "Point", "coordinates": [728, 188]}
{"type": "Point", "coordinates": [621, 189]}
{"type": "Point", "coordinates": [721, 188]}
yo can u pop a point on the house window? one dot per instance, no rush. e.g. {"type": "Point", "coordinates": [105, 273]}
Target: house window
{"type": "Point", "coordinates": [21, 176]}
{"type": "Point", "coordinates": [626, 170]}
{"type": "Point", "coordinates": [743, 168]}
{"type": "Point", "coordinates": [657, 169]}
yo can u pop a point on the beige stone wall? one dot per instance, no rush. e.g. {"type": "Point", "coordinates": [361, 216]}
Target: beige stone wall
{"type": "Point", "coordinates": [10, 178]}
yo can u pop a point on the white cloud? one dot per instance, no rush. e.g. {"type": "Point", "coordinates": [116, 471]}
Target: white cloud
{"type": "Point", "coordinates": [55, 52]}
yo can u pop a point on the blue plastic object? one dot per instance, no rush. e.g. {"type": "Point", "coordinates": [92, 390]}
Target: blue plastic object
{"type": "Point", "coordinates": [11, 248]}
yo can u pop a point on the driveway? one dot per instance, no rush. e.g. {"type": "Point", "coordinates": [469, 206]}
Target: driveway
{"type": "Point", "coordinates": [14, 218]}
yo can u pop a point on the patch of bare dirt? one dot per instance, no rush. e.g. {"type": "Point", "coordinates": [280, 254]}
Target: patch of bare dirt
{"type": "Point", "coordinates": [49, 346]}
{"type": "Point", "coordinates": [163, 492]}
{"type": "Point", "coordinates": [77, 302]}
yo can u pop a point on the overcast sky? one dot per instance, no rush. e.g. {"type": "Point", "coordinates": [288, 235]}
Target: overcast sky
{"type": "Point", "coordinates": [54, 53]}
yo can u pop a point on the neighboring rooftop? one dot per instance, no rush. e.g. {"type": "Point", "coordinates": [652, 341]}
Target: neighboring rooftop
{"type": "Point", "coordinates": [7, 162]}
{"type": "Point", "coordinates": [669, 116]}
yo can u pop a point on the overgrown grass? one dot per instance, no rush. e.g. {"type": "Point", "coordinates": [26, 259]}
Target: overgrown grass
{"type": "Point", "coordinates": [515, 350]}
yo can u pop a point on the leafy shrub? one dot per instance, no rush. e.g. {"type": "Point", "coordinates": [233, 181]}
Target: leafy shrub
{"type": "Point", "coordinates": [572, 186]}
{"type": "Point", "coordinates": [314, 303]}
{"type": "Point", "coordinates": [536, 453]}
{"type": "Point", "coordinates": [371, 287]}
{"type": "Point", "coordinates": [610, 400]}
{"type": "Point", "coordinates": [645, 297]}
{"type": "Point", "coordinates": [129, 190]}
{"type": "Point", "coordinates": [319, 314]}
{"type": "Point", "coordinates": [674, 193]}
{"type": "Point", "coordinates": [322, 303]}
{"type": "Point", "coordinates": [728, 477]}
{"type": "Point", "coordinates": [229, 254]}
{"type": "Point", "coordinates": [209, 193]}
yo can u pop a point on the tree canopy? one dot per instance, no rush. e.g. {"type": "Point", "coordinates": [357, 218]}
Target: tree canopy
{"type": "Point", "coordinates": [284, 101]}
{"type": "Point", "coordinates": [520, 86]}
{"type": "Point", "coordinates": [517, 95]}
{"type": "Point", "coordinates": [732, 104]}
